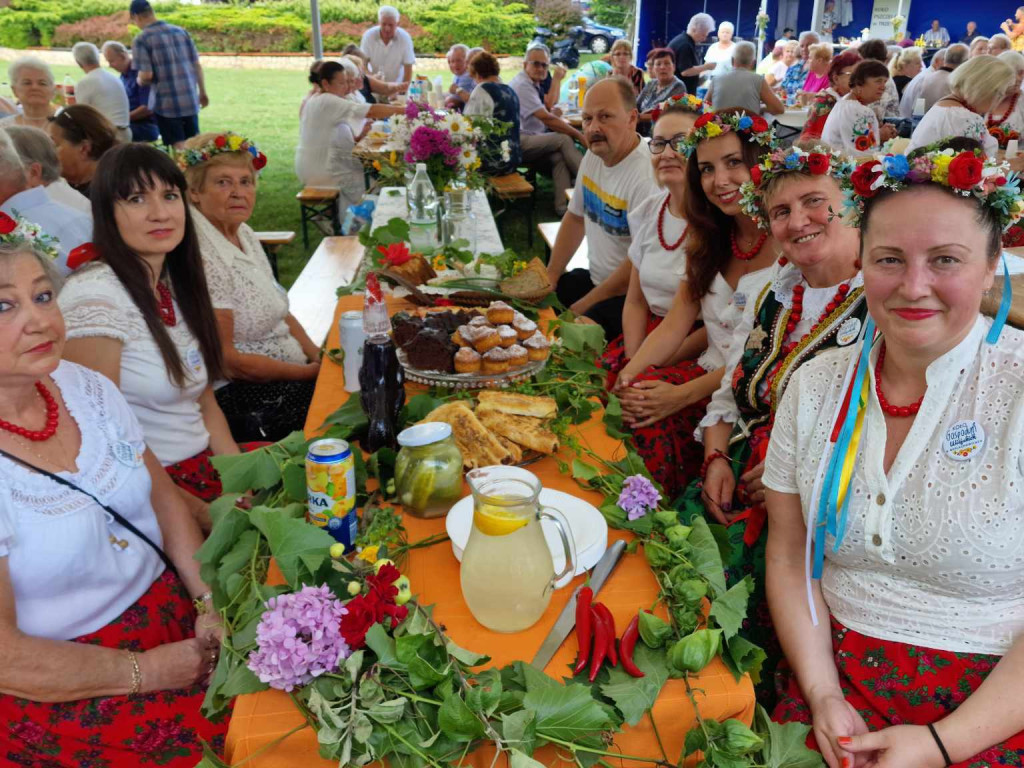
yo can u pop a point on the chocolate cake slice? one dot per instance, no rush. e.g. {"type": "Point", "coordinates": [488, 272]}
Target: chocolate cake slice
{"type": "Point", "coordinates": [404, 328]}
{"type": "Point", "coordinates": [432, 350]}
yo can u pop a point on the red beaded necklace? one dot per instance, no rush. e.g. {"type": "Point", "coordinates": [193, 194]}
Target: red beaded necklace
{"type": "Point", "coordinates": [900, 411]}
{"type": "Point", "coordinates": [798, 306]}
{"type": "Point", "coordinates": [166, 305]}
{"type": "Point", "coordinates": [661, 231]}
{"type": "Point", "coordinates": [742, 255]}
{"type": "Point", "coordinates": [52, 414]}
{"type": "Point", "coordinates": [993, 122]}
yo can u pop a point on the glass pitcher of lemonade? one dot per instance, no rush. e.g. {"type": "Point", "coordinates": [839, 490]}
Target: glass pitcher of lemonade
{"type": "Point", "coordinates": [507, 573]}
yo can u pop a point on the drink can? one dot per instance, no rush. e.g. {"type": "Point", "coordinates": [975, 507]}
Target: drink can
{"type": "Point", "coordinates": [350, 328]}
{"type": "Point", "coordinates": [331, 489]}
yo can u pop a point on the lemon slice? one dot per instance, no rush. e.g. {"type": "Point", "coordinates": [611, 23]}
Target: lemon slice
{"type": "Point", "coordinates": [496, 521]}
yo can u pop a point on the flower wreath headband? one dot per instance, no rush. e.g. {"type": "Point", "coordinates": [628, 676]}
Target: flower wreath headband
{"type": "Point", "coordinates": [685, 101]}
{"type": "Point", "coordinates": [17, 230]}
{"type": "Point", "coordinates": [219, 144]}
{"type": "Point", "coordinates": [819, 162]}
{"type": "Point", "coordinates": [712, 124]}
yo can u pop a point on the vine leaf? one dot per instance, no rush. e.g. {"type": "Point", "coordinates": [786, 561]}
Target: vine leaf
{"type": "Point", "coordinates": [705, 556]}
{"type": "Point", "coordinates": [299, 548]}
{"type": "Point", "coordinates": [565, 712]}
{"type": "Point", "coordinates": [519, 760]}
{"type": "Point", "coordinates": [250, 471]}
{"type": "Point", "coordinates": [742, 657]}
{"type": "Point", "coordinates": [785, 745]}
{"type": "Point", "coordinates": [633, 696]}
{"type": "Point", "coordinates": [730, 609]}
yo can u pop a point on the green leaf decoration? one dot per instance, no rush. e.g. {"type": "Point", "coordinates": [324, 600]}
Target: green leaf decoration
{"type": "Point", "coordinates": [390, 711]}
{"type": "Point", "coordinates": [578, 337]}
{"type": "Point", "coordinates": [730, 609]}
{"type": "Point", "coordinates": [457, 720]}
{"type": "Point", "coordinates": [417, 407]}
{"type": "Point", "coordinates": [565, 712]}
{"type": "Point", "coordinates": [241, 680]}
{"type": "Point", "coordinates": [250, 471]}
{"type": "Point", "coordinates": [633, 696]}
{"type": "Point", "coordinates": [695, 741]}
{"type": "Point", "coordinates": [485, 695]}
{"type": "Point", "coordinates": [613, 419]}
{"type": "Point", "coordinates": [378, 641]}
{"type": "Point", "coordinates": [695, 651]}
{"type": "Point", "coordinates": [210, 759]}
{"type": "Point", "coordinates": [583, 471]}
{"type": "Point", "coordinates": [519, 730]}
{"type": "Point", "coordinates": [229, 524]}
{"type": "Point", "coordinates": [348, 420]}
{"type": "Point", "coordinates": [518, 760]}
{"type": "Point", "coordinates": [299, 548]}
{"type": "Point", "coordinates": [469, 658]}
{"type": "Point", "coordinates": [294, 477]}
{"type": "Point", "coordinates": [654, 630]}
{"type": "Point", "coordinates": [705, 556]}
{"type": "Point", "coordinates": [743, 657]}
{"type": "Point", "coordinates": [785, 744]}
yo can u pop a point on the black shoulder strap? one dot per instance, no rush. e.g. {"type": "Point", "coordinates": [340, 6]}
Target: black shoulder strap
{"type": "Point", "coordinates": [114, 513]}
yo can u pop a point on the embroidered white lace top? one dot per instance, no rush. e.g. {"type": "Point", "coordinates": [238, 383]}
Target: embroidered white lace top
{"type": "Point", "coordinates": [723, 404]}
{"type": "Point", "coordinates": [68, 579]}
{"type": "Point", "coordinates": [722, 309]}
{"type": "Point", "coordinates": [934, 550]}
{"type": "Point", "coordinates": [940, 122]}
{"type": "Point", "coordinates": [242, 282]}
{"type": "Point", "coordinates": [95, 303]}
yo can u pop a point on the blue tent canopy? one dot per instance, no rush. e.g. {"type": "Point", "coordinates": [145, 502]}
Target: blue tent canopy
{"type": "Point", "coordinates": [658, 21]}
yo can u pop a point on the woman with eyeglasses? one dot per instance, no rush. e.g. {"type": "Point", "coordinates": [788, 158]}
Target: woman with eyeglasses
{"type": "Point", "coordinates": [695, 253]}
{"type": "Point", "coordinates": [82, 136]}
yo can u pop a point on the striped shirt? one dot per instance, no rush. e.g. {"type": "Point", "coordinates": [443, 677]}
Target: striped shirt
{"type": "Point", "coordinates": [169, 53]}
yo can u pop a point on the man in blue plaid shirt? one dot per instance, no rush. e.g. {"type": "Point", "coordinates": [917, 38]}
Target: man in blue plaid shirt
{"type": "Point", "coordinates": [167, 60]}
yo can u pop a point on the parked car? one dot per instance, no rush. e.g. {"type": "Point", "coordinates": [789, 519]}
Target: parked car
{"type": "Point", "coordinates": [599, 37]}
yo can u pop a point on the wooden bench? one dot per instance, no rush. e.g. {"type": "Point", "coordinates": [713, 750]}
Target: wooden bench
{"type": "Point", "coordinates": [549, 233]}
{"type": "Point", "coordinates": [313, 296]}
{"type": "Point", "coordinates": [512, 189]}
{"type": "Point", "coordinates": [318, 205]}
{"type": "Point", "coordinates": [271, 242]}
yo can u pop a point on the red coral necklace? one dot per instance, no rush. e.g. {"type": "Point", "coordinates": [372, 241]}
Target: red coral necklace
{"type": "Point", "coordinates": [52, 416]}
{"type": "Point", "coordinates": [900, 411]}
{"type": "Point", "coordinates": [742, 255]}
{"type": "Point", "coordinates": [166, 305]}
{"type": "Point", "coordinates": [661, 228]}
{"type": "Point", "coordinates": [992, 122]}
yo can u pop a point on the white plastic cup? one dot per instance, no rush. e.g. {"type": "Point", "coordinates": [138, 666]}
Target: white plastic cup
{"type": "Point", "coordinates": [1011, 148]}
{"type": "Point", "coordinates": [919, 108]}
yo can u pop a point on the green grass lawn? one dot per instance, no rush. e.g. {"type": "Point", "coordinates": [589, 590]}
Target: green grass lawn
{"type": "Point", "coordinates": [263, 105]}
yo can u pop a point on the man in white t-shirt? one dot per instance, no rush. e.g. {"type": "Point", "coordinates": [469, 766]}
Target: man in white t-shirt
{"type": "Point", "coordinates": [389, 47]}
{"type": "Point", "coordinates": [614, 178]}
{"type": "Point", "coordinates": [102, 90]}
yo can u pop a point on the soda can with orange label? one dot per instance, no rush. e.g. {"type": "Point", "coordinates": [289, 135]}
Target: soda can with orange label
{"type": "Point", "coordinates": [331, 489]}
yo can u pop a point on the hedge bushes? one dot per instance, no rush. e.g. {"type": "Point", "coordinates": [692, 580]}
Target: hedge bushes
{"type": "Point", "coordinates": [270, 26]}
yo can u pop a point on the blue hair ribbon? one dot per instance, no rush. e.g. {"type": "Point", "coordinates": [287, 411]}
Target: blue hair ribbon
{"type": "Point", "coordinates": [1004, 306]}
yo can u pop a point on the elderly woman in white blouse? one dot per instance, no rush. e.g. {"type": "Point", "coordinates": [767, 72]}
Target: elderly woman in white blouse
{"type": "Point", "coordinates": [270, 362]}
{"type": "Point", "coordinates": [33, 85]}
{"type": "Point", "coordinates": [976, 86]}
{"type": "Point", "coordinates": [1007, 118]}
{"type": "Point", "coordinates": [917, 584]}
{"type": "Point", "coordinates": [102, 646]}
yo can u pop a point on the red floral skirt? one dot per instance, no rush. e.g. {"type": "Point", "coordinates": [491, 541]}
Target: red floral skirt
{"type": "Point", "coordinates": [163, 728]}
{"type": "Point", "coordinates": [614, 358]}
{"type": "Point", "coordinates": [892, 683]}
{"type": "Point", "coordinates": [198, 476]}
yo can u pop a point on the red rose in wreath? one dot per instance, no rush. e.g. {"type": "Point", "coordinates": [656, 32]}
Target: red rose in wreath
{"type": "Point", "coordinates": [704, 119]}
{"type": "Point", "coordinates": [863, 143]}
{"type": "Point", "coordinates": [7, 224]}
{"type": "Point", "coordinates": [758, 124]}
{"type": "Point", "coordinates": [1013, 237]}
{"type": "Point", "coordinates": [965, 171]}
{"type": "Point", "coordinates": [863, 177]}
{"type": "Point", "coordinates": [83, 254]}
{"type": "Point", "coordinates": [259, 161]}
{"type": "Point", "coordinates": [220, 142]}
{"type": "Point", "coordinates": [755, 175]}
{"type": "Point", "coordinates": [817, 163]}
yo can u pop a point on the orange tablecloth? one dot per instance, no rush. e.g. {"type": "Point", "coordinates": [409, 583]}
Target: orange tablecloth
{"type": "Point", "coordinates": [262, 717]}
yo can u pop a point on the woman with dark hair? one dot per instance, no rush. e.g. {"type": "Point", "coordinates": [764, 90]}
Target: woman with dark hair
{"type": "Point", "coordinates": [492, 98]}
{"type": "Point", "coordinates": [319, 161]}
{"type": "Point", "coordinates": [905, 637]}
{"type": "Point", "coordinates": [711, 255]}
{"type": "Point", "coordinates": [82, 136]}
{"type": "Point", "coordinates": [888, 105]}
{"type": "Point", "coordinates": [663, 84]}
{"type": "Point", "coordinates": [853, 125]}
{"type": "Point", "coordinates": [812, 301]}
{"type": "Point", "coordinates": [839, 72]}
{"type": "Point", "coordinates": [141, 313]}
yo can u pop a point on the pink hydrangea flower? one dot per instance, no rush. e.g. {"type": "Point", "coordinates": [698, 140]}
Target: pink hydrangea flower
{"type": "Point", "coordinates": [638, 496]}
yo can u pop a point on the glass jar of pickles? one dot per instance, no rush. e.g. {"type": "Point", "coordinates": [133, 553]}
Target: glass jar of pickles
{"type": "Point", "coordinates": [428, 470]}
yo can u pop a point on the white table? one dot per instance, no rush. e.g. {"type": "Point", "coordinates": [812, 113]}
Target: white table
{"type": "Point", "coordinates": [391, 205]}
{"type": "Point", "coordinates": [793, 117]}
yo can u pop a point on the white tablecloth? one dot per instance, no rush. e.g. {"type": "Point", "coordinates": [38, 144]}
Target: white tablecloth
{"type": "Point", "coordinates": [391, 205]}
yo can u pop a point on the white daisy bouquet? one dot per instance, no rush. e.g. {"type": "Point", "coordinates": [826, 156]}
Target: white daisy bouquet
{"type": "Point", "coordinates": [449, 143]}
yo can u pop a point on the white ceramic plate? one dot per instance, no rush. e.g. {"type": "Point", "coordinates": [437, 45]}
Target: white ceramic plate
{"type": "Point", "coordinates": [589, 529]}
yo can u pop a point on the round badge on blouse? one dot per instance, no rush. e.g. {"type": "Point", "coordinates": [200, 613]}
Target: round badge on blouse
{"type": "Point", "coordinates": [963, 440]}
{"type": "Point", "coordinates": [848, 331]}
{"type": "Point", "coordinates": [194, 360]}
{"type": "Point", "coordinates": [739, 299]}
{"type": "Point", "coordinates": [128, 453]}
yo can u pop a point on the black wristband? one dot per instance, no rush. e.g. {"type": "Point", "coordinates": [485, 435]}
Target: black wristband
{"type": "Point", "coordinates": [941, 746]}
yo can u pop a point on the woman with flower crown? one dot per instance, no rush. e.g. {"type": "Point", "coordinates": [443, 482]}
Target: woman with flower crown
{"type": "Point", "coordinates": [896, 487]}
{"type": "Point", "coordinates": [812, 301]}
{"type": "Point", "coordinates": [270, 362]}
{"type": "Point", "coordinates": [695, 253]}
{"type": "Point", "coordinates": [105, 658]}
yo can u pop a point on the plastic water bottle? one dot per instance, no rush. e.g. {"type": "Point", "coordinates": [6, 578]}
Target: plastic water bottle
{"type": "Point", "coordinates": [421, 200]}
{"type": "Point", "coordinates": [69, 90]}
{"type": "Point", "coordinates": [572, 96]}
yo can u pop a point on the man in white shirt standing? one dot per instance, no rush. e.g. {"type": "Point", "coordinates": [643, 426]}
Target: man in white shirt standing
{"type": "Point", "coordinates": [389, 47]}
{"type": "Point", "coordinates": [101, 89]}
{"type": "Point", "coordinates": [614, 178]}
{"type": "Point", "coordinates": [933, 84]}
{"type": "Point", "coordinates": [547, 141]}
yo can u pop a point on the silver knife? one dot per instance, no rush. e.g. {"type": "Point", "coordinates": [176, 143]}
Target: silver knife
{"type": "Point", "coordinates": [567, 619]}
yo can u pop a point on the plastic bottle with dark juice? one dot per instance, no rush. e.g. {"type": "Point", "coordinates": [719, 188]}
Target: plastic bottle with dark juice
{"type": "Point", "coordinates": [381, 378]}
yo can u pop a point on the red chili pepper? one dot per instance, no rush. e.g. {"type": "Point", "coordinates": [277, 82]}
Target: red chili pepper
{"type": "Point", "coordinates": [627, 644]}
{"type": "Point", "coordinates": [601, 642]}
{"type": "Point", "coordinates": [584, 628]}
{"type": "Point", "coordinates": [609, 620]}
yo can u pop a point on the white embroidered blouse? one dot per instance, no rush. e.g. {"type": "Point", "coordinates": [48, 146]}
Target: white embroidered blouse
{"type": "Point", "coordinates": [67, 576]}
{"type": "Point", "coordinates": [942, 122]}
{"type": "Point", "coordinates": [851, 127]}
{"type": "Point", "coordinates": [934, 549]}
